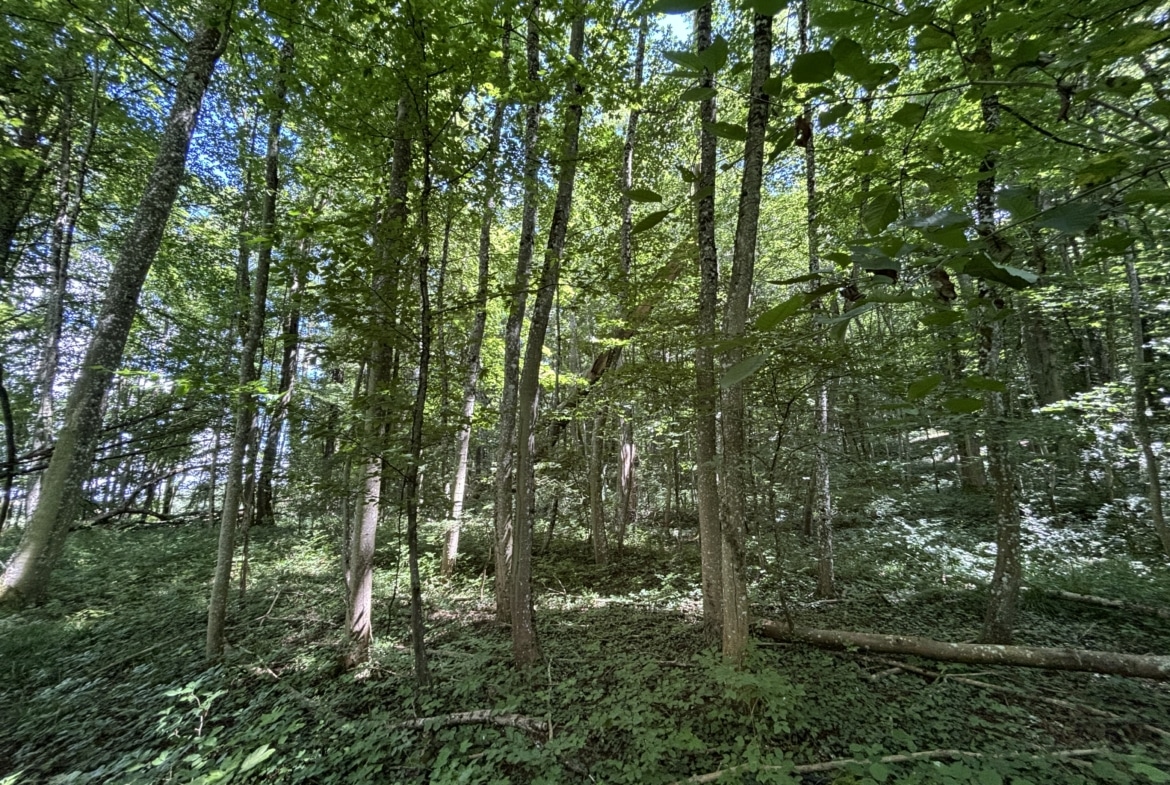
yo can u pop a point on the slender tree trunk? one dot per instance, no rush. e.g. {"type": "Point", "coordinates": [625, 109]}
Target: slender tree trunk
{"type": "Point", "coordinates": [478, 327]}
{"type": "Point", "coordinates": [290, 340]}
{"type": "Point", "coordinates": [9, 451]}
{"type": "Point", "coordinates": [411, 481]}
{"type": "Point", "coordinates": [1004, 591]}
{"type": "Point", "coordinates": [736, 457]}
{"type": "Point", "coordinates": [243, 435]}
{"type": "Point", "coordinates": [706, 390]}
{"type": "Point", "coordinates": [505, 501]}
{"type": "Point", "coordinates": [1141, 402]}
{"type": "Point", "coordinates": [596, 510]}
{"type": "Point", "coordinates": [390, 249]}
{"type": "Point", "coordinates": [823, 509]}
{"type": "Point", "coordinates": [26, 576]}
{"type": "Point", "coordinates": [525, 651]}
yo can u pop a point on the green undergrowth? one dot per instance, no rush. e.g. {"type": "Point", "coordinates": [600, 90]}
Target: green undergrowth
{"type": "Point", "coordinates": [107, 683]}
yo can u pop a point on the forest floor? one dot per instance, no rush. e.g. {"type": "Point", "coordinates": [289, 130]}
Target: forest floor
{"type": "Point", "coordinates": [106, 683]}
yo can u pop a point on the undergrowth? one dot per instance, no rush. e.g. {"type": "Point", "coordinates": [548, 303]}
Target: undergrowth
{"type": "Point", "coordinates": [106, 683]}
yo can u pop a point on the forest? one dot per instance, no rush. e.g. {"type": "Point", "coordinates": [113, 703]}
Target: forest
{"type": "Point", "coordinates": [584, 391]}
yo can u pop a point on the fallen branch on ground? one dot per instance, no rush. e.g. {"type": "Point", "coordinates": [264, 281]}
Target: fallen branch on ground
{"type": "Point", "coordinates": [1085, 660]}
{"type": "Point", "coordinates": [481, 717]}
{"type": "Point", "coordinates": [833, 765]}
{"type": "Point", "coordinates": [1104, 602]}
{"type": "Point", "coordinates": [1091, 710]}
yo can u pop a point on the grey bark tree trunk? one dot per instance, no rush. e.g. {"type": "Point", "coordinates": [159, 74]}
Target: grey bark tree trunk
{"type": "Point", "coordinates": [1140, 401]}
{"type": "Point", "coordinates": [822, 519]}
{"type": "Point", "coordinates": [505, 500]}
{"type": "Point", "coordinates": [478, 327]}
{"type": "Point", "coordinates": [243, 435]}
{"type": "Point", "coordinates": [736, 457]}
{"type": "Point", "coordinates": [706, 390]}
{"type": "Point", "coordinates": [596, 509]}
{"type": "Point", "coordinates": [525, 650]}
{"type": "Point", "coordinates": [390, 245]}
{"type": "Point", "coordinates": [25, 579]}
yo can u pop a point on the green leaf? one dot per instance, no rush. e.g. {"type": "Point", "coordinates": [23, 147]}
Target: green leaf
{"type": "Point", "coordinates": [686, 174]}
{"type": "Point", "coordinates": [774, 86]}
{"type": "Point", "coordinates": [1152, 196]}
{"type": "Point", "coordinates": [963, 405]}
{"type": "Point", "coordinates": [983, 383]}
{"type": "Point", "coordinates": [797, 279]}
{"type": "Point", "coordinates": [643, 195]}
{"type": "Point", "coordinates": [258, 756]}
{"type": "Point", "coordinates": [1151, 773]}
{"type": "Point", "coordinates": [836, 114]}
{"type": "Point", "coordinates": [849, 59]}
{"type": "Point", "coordinates": [930, 38]}
{"type": "Point", "coordinates": [650, 221]}
{"type": "Point", "coordinates": [676, 6]}
{"type": "Point", "coordinates": [813, 67]}
{"type": "Point", "coordinates": [778, 313]}
{"type": "Point", "coordinates": [685, 59]}
{"type": "Point", "coordinates": [767, 7]}
{"type": "Point", "coordinates": [714, 56]}
{"type": "Point", "coordinates": [990, 777]}
{"type": "Point", "coordinates": [702, 193]}
{"type": "Point", "coordinates": [880, 211]}
{"type": "Point", "coordinates": [1070, 217]}
{"type": "Point", "coordinates": [726, 131]}
{"type": "Point", "coordinates": [940, 318]}
{"type": "Point", "coordinates": [698, 93]}
{"type": "Point", "coordinates": [742, 370]}
{"type": "Point", "coordinates": [975, 143]}
{"type": "Point", "coordinates": [864, 140]}
{"type": "Point", "coordinates": [1018, 200]}
{"type": "Point", "coordinates": [879, 771]}
{"type": "Point", "coordinates": [922, 387]}
{"type": "Point", "coordinates": [910, 114]}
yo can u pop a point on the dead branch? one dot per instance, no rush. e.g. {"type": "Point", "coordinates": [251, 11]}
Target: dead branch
{"type": "Point", "coordinates": [481, 717]}
{"type": "Point", "coordinates": [833, 765]}
{"type": "Point", "coordinates": [1105, 602]}
{"type": "Point", "coordinates": [895, 665]}
{"type": "Point", "coordinates": [1084, 660]}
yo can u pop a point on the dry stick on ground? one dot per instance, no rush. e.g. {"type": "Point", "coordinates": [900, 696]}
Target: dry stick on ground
{"type": "Point", "coordinates": [481, 717]}
{"type": "Point", "coordinates": [1104, 602]}
{"type": "Point", "coordinates": [895, 666]}
{"type": "Point", "coordinates": [833, 765]}
{"type": "Point", "coordinates": [1087, 660]}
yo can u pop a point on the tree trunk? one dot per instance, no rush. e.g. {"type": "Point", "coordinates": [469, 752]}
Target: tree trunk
{"type": "Point", "coordinates": [736, 457]}
{"type": "Point", "coordinates": [242, 438]}
{"type": "Point", "coordinates": [1141, 402]}
{"type": "Point", "coordinates": [823, 504]}
{"type": "Point", "coordinates": [390, 242]}
{"type": "Point", "coordinates": [1086, 660]}
{"type": "Point", "coordinates": [506, 502]}
{"type": "Point", "coordinates": [596, 509]}
{"type": "Point", "coordinates": [478, 327]}
{"type": "Point", "coordinates": [525, 651]}
{"type": "Point", "coordinates": [26, 576]}
{"type": "Point", "coordinates": [706, 390]}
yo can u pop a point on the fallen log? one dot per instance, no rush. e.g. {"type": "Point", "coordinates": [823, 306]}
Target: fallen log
{"type": "Point", "coordinates": [1085, 660]}
{"type": "Point", "coordinates": [909, 757]}
{"type": "Point", "coordinates": [481, 717]}
{"type": "Point", "coordinates": [1105, 602]}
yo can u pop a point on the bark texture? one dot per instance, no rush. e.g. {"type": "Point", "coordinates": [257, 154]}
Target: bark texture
{"type": "Point", "coordinates": [26, 576]}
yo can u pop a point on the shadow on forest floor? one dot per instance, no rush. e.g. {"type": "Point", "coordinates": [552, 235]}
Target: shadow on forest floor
{"type": "Point", "coordinates": [107, 683]}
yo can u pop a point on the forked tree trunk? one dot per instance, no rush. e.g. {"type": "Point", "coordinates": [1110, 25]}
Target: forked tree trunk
{"type": "Point", "coordinates": [243, 436]}
{"type": "Point", "coordinates": [706, 390]}
{"type": "Point", "coordinates": [25, 579]}
{"type": "Point", "coordinates": [505, 500]}
{"type": "Point", "coordinates": [478, 327]}
{"type": "Point", "coordinates": [736, 457]}
{"type": "Point", "coordinates": [525, 651]}
{"type": "Point", "coordinates": [390, 245]}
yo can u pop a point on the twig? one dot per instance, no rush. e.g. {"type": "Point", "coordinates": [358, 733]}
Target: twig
{"type": "Point", "coordinates": [481, 717]}
{"type": "Point", "coordinates": [833, 765]}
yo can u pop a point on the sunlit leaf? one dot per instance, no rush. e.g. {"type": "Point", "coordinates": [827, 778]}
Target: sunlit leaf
{"type": "Point", "coordinates": [778, 313]}
{"type": "Point", "coordinates": [742, 370]}
{"type": "Point", "coordinates": [650, 221]}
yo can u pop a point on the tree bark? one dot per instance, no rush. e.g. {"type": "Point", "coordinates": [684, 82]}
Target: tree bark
{"type": "Point", "coordinates": [25, 579]}
{"type": "Point", "coordinates": [242, 438]}
{"type": "Point", "coordinates": [596, 509]}
{"type": "Point", "coordinates": [505, 501]}
{"type": "Point", "coordinates": [390, 245]}
{"type": "Point", "coordinates": [478, 327]}
{"type": "Point", "coordinates": [706, 391]}
{"type": "Point", "coordinates": [736, 457]}
{"type": "Point", "coordinates": [1085, 660]}
{"type": "Point", "coordinates": [525, 650]}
